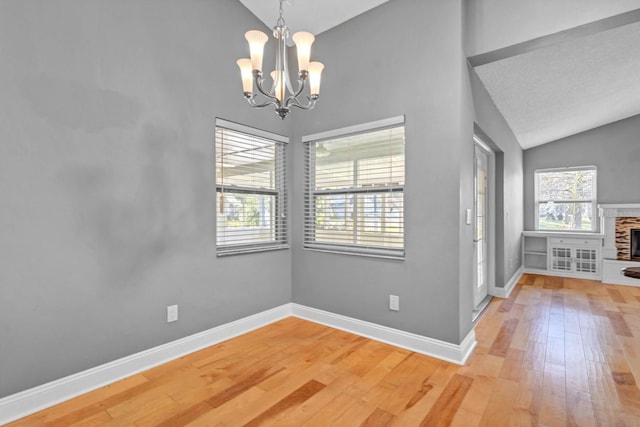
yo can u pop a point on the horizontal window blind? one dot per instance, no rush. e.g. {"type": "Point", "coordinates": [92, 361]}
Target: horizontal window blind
{"type": "Point", "coordinates": [354, 199]}
{"type": "Point", "coordinates": [251, 190]}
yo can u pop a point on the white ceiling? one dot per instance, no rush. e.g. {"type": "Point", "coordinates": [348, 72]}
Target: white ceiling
{"type": "Point", "coordinates": [314, 16]}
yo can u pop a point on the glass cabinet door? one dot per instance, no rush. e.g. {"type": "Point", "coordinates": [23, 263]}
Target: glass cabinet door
{"type": "Point", "coordinates": [561, 259]}
{"type": "Point", "coordinates": [586, 260]}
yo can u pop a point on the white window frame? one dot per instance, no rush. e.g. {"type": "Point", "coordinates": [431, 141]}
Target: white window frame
{"type": "Point", "coordinates": [309, 239]}
{"type": "Point", "coordinates": [280, 217]}
{"type": "Point", "coordinates": [593, 202]}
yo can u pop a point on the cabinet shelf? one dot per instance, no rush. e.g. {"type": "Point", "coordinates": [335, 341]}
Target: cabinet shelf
{"type": "Point", "coordinates": [534, 254]}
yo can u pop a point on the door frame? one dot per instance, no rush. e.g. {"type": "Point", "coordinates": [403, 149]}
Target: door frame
{"type": "Point", "coordinates": [491, 215]}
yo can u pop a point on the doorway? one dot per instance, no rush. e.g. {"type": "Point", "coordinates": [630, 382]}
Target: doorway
{"type": "Point", "coordinates": [483, 223]}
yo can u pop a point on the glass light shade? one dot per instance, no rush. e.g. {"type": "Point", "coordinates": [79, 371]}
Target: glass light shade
{"type": "Point", "coordinates": [315, 72]}
{"type": "Point", "coordinates": [303, 41]}
{"type": "Point", "coordinates": [245, 72]}
{"type": "Point", "coordinates": [278, 84]}
{"type": "Point", "coordinates": [257, 40]}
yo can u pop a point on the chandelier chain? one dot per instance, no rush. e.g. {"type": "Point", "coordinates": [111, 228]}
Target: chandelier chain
{"type": "Point", "coordinates": [280, 21]}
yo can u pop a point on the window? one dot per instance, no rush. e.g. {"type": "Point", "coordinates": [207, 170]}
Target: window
{"type": "Point", "coordinates": [566, 199]}
{"type": "Point", "coordinates": [251, 199]}
{"type": "Point", "coordinates": [354, 201]}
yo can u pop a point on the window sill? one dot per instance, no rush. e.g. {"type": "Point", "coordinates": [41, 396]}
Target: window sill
{"type": "Point", "coordinates": [241, 251]}
{"type": "Point", "coordinates": [382, 254]}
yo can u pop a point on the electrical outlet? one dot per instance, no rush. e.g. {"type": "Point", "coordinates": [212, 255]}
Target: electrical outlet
{"type": "Point", "coordinates": [394, 302]}
{"type": "Point", "coordinates": [172, 313]}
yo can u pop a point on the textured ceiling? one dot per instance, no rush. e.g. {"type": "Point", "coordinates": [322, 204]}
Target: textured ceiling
{"type": "Point", "coordinates": [314, 16]}
{"type": "Point", "coordinates": [569, 87]}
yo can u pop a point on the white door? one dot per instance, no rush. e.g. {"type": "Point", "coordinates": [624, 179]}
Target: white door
{"type": "Point", "coordinates": [481, 225]}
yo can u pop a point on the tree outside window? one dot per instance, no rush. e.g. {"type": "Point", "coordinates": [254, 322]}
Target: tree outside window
{"type": "Point", "coordinates": [566, 199]}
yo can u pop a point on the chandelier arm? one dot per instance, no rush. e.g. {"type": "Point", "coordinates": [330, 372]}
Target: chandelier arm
{"type": "Point", "coordinates": [285, 73]}
{"type": "Point", "coordinates": [301, 86]}
{"type": "Point", "coordinates": [310, 104]}
{"type": "Point", "coordinates": [252, 102]}
{"type": "Point", "coordinates": [257, 76]}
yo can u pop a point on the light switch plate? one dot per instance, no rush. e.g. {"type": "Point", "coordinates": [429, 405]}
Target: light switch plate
{"type": "Point", "coordinates": [394, 302]}
{"type": "Point", "coordinates": [172, 313]}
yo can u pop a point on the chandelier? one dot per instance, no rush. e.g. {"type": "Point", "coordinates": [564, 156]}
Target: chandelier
{"type": "Point", "coordinates": [281, 94]}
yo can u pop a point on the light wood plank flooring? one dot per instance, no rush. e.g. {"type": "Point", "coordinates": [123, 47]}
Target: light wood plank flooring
{"type": "Point", "coordinates": [558, 352]}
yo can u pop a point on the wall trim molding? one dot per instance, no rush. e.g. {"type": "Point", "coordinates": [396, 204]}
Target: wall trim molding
{"type": "Point", "coordinates": [454, 353]}
{"type": "Point", "coordinates": [27, 402]}
{"type": "Point", "coordinates": [508, 287]}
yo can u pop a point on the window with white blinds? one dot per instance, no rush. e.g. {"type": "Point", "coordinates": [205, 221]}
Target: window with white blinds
{"type": "Point", "coordinates": [354, 199]}
{"type": "Point", "coordinates": [251, 190]}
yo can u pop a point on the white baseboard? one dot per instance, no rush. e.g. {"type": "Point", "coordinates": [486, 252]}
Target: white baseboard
{"type": "Point", "coordinates": [41, 397]}
{"type": "Point", "coordinates": [420, 344]}
{"type": "Point", "coordinates": [35, 399]}
{"type": "Point", "coordinates": [508, 287]}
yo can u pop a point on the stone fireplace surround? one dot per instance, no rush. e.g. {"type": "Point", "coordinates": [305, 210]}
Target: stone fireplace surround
{"type": "Point", "coordinates": [616, 223]}
{"type": "Point", "coordinates": [624, 226]}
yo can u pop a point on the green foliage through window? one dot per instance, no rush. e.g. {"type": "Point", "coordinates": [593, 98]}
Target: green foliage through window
{"type": "Point", "coordinates": [251, 189]}
{"type": "Point", "coordinates": [566, 199]}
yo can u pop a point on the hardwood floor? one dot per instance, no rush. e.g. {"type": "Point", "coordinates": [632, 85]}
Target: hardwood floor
{"type": "Point", "coordinates": [558, 352]}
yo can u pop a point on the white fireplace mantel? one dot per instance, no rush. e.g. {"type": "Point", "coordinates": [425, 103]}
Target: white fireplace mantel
{"type": "Point", "coordinates": [608, 215]}
{"type": "Point", "coordinates": [620, 210]}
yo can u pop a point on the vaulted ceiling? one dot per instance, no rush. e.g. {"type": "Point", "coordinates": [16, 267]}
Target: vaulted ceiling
{"type": "Point", "coordinates": [547, 87]}
{"type": "Point", "coordinates": [567, 82]}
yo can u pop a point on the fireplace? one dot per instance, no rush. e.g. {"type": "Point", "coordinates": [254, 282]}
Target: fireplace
{"type": "Point", "coordinates": [616, 223]}
{"type": "Point", "coordinates": [625, 228]}
{"type": "Point", "coordinates": [635, 244]}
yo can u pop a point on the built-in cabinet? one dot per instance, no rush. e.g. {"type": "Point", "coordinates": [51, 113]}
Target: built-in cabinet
{"type": "Point", "coordinates": [574, 256]}
{"type": "Point", "coordinates": [562, 254]}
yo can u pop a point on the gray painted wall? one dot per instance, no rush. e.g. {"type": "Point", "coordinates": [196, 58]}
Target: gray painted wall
{"type": "Point", "coordinates": [106, 181]}
{"type": "Point", "coordinates": [613, 148]}
{"type": "Point", "coordinates": [509, 181]}
{"type": "Point", "coordinates": [106, 176]}
{"type": "Point", "coordinates": [379, 66]}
